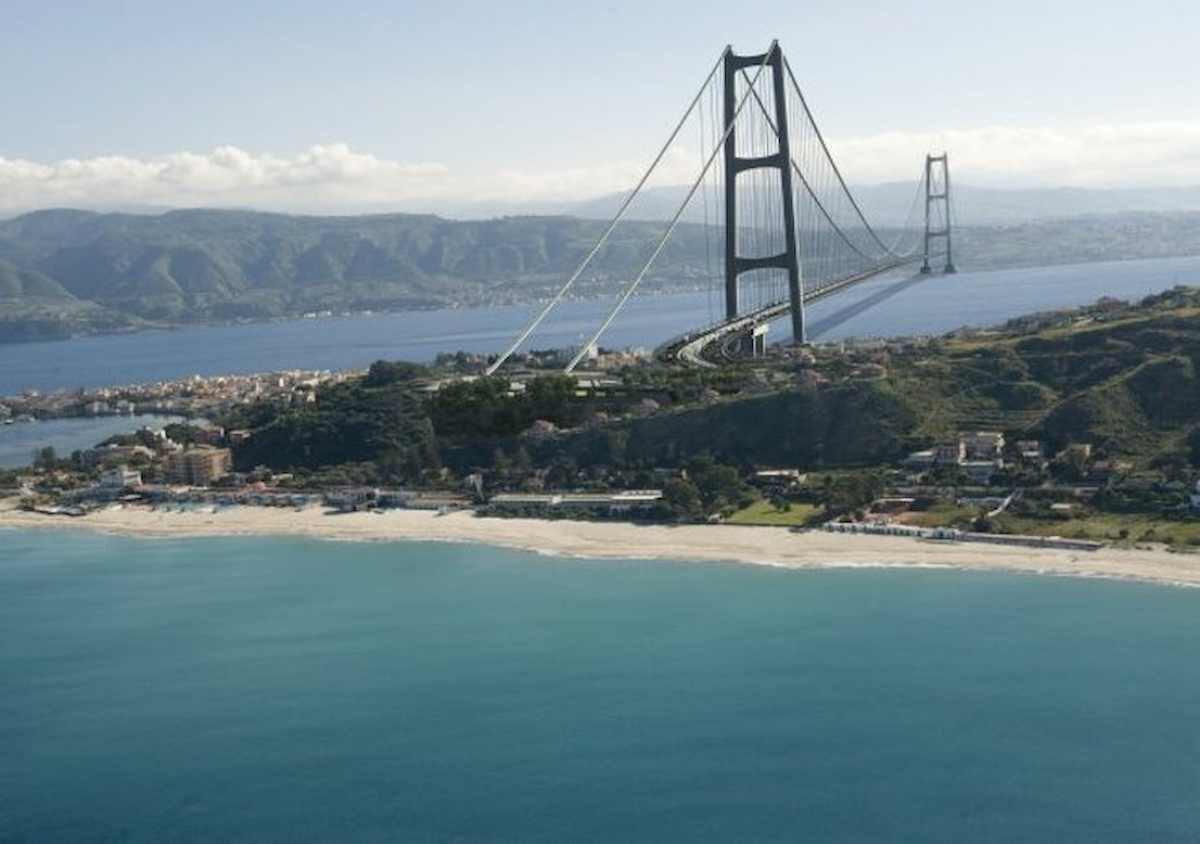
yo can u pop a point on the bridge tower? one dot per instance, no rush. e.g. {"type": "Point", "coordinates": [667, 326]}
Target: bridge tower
{"type": "Point", "coordinates": [789, 259]}
{"type": "Point", "coordinates": [937, 208]}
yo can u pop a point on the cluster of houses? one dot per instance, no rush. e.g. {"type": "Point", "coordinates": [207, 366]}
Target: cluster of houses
{"type": "Point", "coordinates": [977, 454]}
{"type": "Point", "coordinates": [980, 455]}
{"type": "Point", "coordinates": [200, 463]}
{"type": "Point", "coordinates": [193, 396]}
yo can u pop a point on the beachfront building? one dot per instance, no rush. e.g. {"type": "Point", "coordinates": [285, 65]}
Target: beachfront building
{"type": "Point", "coordinates": [610, 503]}
{"type": "Point", "coordinates": [199, 466]}
{"type": "Point", "coordinates": [353, 499]}
{"type": "Point", "coordinates": [120, 477]}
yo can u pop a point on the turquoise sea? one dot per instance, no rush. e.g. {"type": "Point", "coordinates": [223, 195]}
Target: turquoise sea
{"type": "Point", "coordinates": [275, 690]}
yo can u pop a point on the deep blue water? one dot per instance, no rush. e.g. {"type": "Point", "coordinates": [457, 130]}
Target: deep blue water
{"type": "Point", "coordinates": [274, 690]}
{"type": "Point", "coordinates": [934, 304]}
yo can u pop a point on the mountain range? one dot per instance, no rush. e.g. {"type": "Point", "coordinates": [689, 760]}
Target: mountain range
{"type": "Point", "coordinates": [65, 271]}
{"type": "Point", "coordinates": [64, 266]}
{"type": "Point", "coordinates": [886, 204]}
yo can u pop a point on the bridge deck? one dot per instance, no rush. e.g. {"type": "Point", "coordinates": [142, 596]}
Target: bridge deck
{"type": "Point", "coordinates": [690, 349]}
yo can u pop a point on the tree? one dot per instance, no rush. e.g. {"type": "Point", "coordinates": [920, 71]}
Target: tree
{"type": "Point", "coordinates": [500, 461]}
{"type": "Point", "coordinates": [181, 433]}
{"type": "Point", "coordinates": [522, 462]}
{"type": "Point", "coordinates": [45, 458]}
{"type": "Point", "coordinates": [383, 372]}
{"type": "Point", "coordinates": [616, 443]}
{"type": "Point", "coordinates": [981, 524]}
{"type": "Point", "coordinates": [682, 499]}
{"type": "Point", "coordinates": [853, 491]}
{"type": "Point", "coordinates": [720, 486]}
{"type": "Point", "coordinates": [1193, 444]}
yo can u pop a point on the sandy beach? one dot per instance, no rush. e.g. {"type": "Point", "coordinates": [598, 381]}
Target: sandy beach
{"type": "Point", "coordinates": [728, 543]}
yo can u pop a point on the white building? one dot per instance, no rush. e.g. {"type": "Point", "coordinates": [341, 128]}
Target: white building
{"type": "Point", "coordinates": [120, 477]}
{"type": "Point", "coordinates": [983, 445]}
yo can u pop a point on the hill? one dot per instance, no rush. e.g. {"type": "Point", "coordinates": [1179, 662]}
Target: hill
{"type": "Point", "coordinates": [1121, 378]}
{"type": "Point", "coordinates": [68, 271]}
{"type": "Point", "coordinates": [213, 264]}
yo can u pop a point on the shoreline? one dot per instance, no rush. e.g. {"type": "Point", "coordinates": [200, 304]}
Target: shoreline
{"type": "Point", "coordinates": [767, 546]}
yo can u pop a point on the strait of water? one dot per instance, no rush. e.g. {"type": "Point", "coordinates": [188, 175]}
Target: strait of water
{"type": "Point", "coordinates": [279, 690]}
{"type": "Point", "coordinates": [890, 306]}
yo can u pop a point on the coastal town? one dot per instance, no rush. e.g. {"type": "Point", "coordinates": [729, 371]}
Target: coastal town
{"type": "Point", "coordinates": [970, 437]}
{"type": "Point", "coordinates": [151, 469]}
{"type": "Point", "coordinates": [196, 396]}
{"type": "Point", "coordinates": [977, 475]}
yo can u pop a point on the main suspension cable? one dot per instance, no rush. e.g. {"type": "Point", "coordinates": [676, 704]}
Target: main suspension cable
{"type": "Point", "coordinates": [678, 214]}
{"type": "Point", "coordinates": [612, 225]}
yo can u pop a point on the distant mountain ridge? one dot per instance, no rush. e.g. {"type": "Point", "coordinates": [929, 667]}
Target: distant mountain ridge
{"type": "Point", "coordinates": [67, 271]}
{"type": "Point", "coordinates": [207, 264]}
{"type": "Point", "coordinates": [885, 204]}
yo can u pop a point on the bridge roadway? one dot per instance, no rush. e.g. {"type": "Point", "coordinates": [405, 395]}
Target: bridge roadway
{"type": "Point", "coordinates": [690, 349]}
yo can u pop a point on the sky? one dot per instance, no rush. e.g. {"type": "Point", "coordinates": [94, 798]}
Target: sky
{"type": "Point", "coordinates": [372, 105]}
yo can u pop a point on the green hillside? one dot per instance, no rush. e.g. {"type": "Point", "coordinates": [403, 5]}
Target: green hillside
{"type": "Point", "coordinates": [196, 265]}
{"type": "Point", "coordinates": [1121, 378]}
{"type": "Point", "coordinates": [19, 284]}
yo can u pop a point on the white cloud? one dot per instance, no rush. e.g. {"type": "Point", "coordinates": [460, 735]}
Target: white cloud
{"type": "Point", "coordinates": [323, 176]}
{"type": "Point", "coordinates": [334, 177]}
{"type": "Point", "coordinates": [680, 165]}
{"type": "Point", "coordinates": [1103, 155]}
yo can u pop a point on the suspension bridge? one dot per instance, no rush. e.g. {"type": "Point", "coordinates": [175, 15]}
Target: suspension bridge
{"type": "Point", "coordinates": [786, 229]}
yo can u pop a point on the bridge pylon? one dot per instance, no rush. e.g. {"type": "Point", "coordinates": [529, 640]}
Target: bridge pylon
{"type": "Point", "coordinates": [781, 160]}
{"type": "Point", "coordinates": [937, 209]}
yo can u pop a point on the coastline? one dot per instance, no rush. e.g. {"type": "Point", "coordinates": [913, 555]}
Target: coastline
{"type": "Point", "coordinates": [769, 546]}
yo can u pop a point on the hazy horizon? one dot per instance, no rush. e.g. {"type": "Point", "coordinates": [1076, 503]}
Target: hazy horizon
{"type": "Point", "coordinates": [885, 203]}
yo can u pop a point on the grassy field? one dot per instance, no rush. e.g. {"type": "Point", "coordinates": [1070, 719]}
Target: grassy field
{"type": "Point", "coordinates": [1107, 527]}
{"type": "Point", "coordinates": [942, 514]}
{"type": "Point", "coordinates": [763, 513]}
{"type": "Point", "coordinates": [1116, 528]}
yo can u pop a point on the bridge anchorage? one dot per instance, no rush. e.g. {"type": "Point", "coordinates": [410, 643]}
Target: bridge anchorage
{"type": "Point", "coordinates": [787, 230]}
